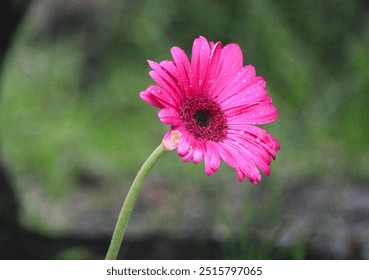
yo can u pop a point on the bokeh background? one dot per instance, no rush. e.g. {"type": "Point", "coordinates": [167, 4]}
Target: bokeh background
{"type": "Point", "coordinates": [74, 132]}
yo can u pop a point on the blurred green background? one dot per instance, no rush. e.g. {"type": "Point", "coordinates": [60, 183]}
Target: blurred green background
{"type": "Point", "coordinates": [74, 131]}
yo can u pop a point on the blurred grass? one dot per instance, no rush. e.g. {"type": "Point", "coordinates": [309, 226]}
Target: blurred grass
{"type": "Point", "coordinates": [314, 56]}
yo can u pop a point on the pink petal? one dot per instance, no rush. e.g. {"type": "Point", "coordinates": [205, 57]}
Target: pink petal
{"type": "Point", "coordinates": [195, 150]}
{"type": "Point", "coordinates": [263, 165]}
{"type": "Point", "coordinates": [199, 62]}
{"type": "Point", "coordinates": [186, 143]}
{"type": "Point", "coordinates": [198, 151]}
{"type": "Point", "coordinates": [150, 98]}
{"type": "Point", "coordinates": [250, 171]}
{"type": "Point", "coordinates": [258, 149]}
{"type": "Point", "coordinates": [247, 168]}
{"type": "Point", "coordinates": [226, 154]}
{"type": "Point", "coordinates": [189, 156]}
{"type": "Point", "coordinates": [184, 69]}
{"type": "Point", "coordinates": [244, 78]}
{"type": "Point", "coordinates": [216, 50]}
{"type": "Point", "coordinates": [171, 68]}
{"type": "Point", "coordinates": [257, 134]}
{"type": "Point", "coordinates": [170, 116]}
{"type": "Point", "coordinates": [212, 159]}
{"type": "Point", "coordinates": [261, 113]}
{"type": "Point", "coordinates": [230, 62]}
{"type": "Point", "coordinates": [257, 155]}
{"type": "Point", "coordinates": [251, 145]}
{"type": "Point", "coordinates": [252, 154]}
{"type": "Point", "coordinates": [166, 81]}
{"type": "Point", "coordinates": [156, 96]}
{"type": "Point", "coordinates": [253, 93]}
{"type": "Point", "coordinates": [161, 95]}
{"type": "Point", "coordinates": [243, 164]}
{"type": "Point", "coordinates": [243, 98]}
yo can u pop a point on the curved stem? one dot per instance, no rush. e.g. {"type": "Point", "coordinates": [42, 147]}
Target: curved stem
{"type": "Point", "coordinates": [129, 202]}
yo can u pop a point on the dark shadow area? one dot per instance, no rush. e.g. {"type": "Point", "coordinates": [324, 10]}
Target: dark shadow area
{"type": "Point", "coordinates": [28, 245]}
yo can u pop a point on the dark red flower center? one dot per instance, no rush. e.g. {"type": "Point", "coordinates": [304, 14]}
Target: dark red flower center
{"type": "Point", "coordinates": [203, 117]}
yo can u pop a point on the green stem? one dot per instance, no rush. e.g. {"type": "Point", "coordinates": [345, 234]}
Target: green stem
{"type": "Point", "coordinates": [131, 198]}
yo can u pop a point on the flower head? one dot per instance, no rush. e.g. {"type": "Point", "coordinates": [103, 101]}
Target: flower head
{"type": "Point", "coordinates": [213, 104]}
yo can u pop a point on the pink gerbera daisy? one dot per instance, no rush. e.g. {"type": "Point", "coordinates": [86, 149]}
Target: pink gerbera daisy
{"type": "Point", "coordinates": [212, 105]}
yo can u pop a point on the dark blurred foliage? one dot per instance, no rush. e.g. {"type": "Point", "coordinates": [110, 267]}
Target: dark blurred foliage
{"type": "Point", "coordinates": [11, 14]}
